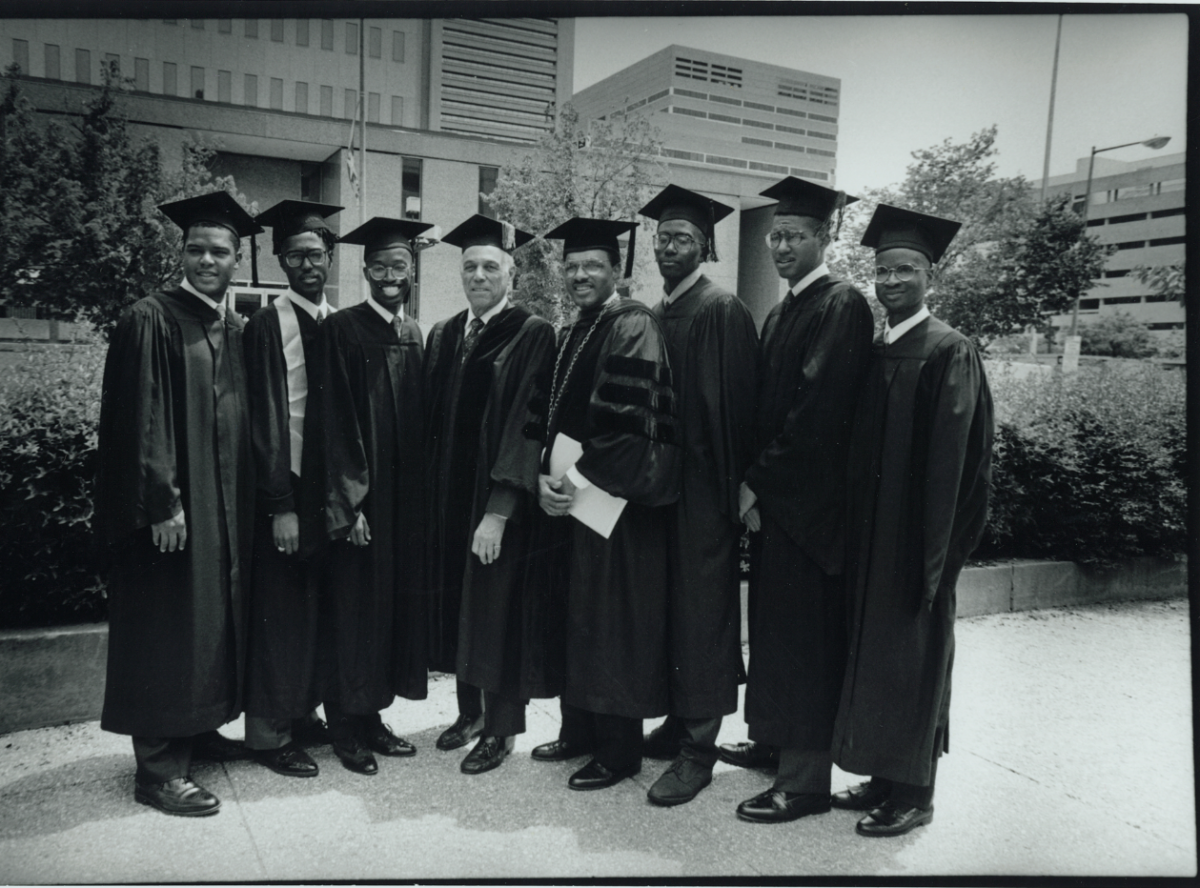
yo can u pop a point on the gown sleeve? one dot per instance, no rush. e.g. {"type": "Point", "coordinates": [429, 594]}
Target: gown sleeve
{"type": "Point", "coordinates": [266, 380]}
{"type": "Point", "coordinates": [346, 458]}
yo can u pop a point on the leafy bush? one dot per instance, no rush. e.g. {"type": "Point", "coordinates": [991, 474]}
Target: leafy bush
{"type": "Point", "coordinates": [49, 409]}
{"type": "Point", "coordinates": [1089, 467]}
{"type": "Point", "coordinates": [1118, 335]}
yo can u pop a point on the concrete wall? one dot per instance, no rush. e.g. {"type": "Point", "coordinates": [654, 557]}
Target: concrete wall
{"type": "Point", "coordinates": [759, 285]}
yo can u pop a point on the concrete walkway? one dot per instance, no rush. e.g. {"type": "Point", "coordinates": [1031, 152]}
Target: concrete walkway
{"type": "Point", "coordinates": [1071, 756]}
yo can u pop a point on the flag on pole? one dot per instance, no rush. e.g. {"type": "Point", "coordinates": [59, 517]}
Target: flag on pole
{"type": "Point", "coordinates": [351, 166]}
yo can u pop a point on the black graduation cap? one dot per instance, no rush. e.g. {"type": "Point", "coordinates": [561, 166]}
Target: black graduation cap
{"type": "Point", "coordinates": [892, 227]}
{"type": "Point", "coordinates": [481, 231]}
{"type": "Point", "coordinates": [291, 217]}
{"type": "Point", "coordinates": [799, 197]}
{"type": "Point", "coordinates": [595, 234]}
{"type": "Point", "coordinates": [216, 208]}
{"type": "Point", "coordinates": [382, 233]}
{"type": "Point", "coordinates": [674, 202]}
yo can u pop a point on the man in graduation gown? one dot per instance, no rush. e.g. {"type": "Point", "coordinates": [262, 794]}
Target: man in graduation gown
{"type": "Point", "coordinates": [283, 682]}
{"type": "Point", "coordinates": [374, 432]}
{"type": "Point", "coordinates": [815, 348]}
{"type": "Point", "coordinates": [481, 366]}
{"type": "Point", "coordinates": [919, 470]}
{"type": "Point", "coordinates": [175, 500]}
{"type": "Point", "coordinates": [611, 394]}
{"type": "Point", "coordinates": [714, 355]}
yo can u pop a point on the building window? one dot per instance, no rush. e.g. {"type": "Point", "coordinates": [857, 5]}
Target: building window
{"type": "Point", "coordinates": [725, 161]}
{"type": "Point", "coordinates": [487, 184]}
{"type": "Point", "coordinates": [252, 28]}
{"type": "Point", "coordinates": [759, 105]}
{"type": "Point", "coordinates": [375, 43]}
{"type": "Point", "coordinates": [250, 92]}
{"type": "Point", "coordinates": [302, 32]}
{"type": "Point", "coordinates": [326, 34]}
{"type": "Point", "coordinates": [141, 75]}
{"type": "Point", "coordinates": [1089, 304]}
{"type": "Point", "coordinates": [784, 128]}
{"type": "Point", "coordinates": [277, 93]}
{"type": "Point", "coordinates": [1091, 223]}
{"type": "Point", "coordinates": [761, 124]}
{"type": "Point", "coordinates": [83, 66]}
{"type": "Point", "coordinates": [224, 86]}
{"type": "Point", "coordinates": [350, 104]}
{"type": "Point", "coordinates": [53, 62]}
{"type": "Point", "coordinates": [302, 97]}
{"type": "Point", "coordinates": [1131, 245]}
{"type": "Point", "coordinates": [310, 182]}
{"type": "Point", "coordinates": [1171, 185]}
{"type": "Point", "coordinates": [765, 143]}
{"type": "Point", "coordinates": [1117, 274]}
{"type": "Point", "coordinates": [397, 46]}
{"type": "Point", "coordinates": [410, 185]}
{"type": "Point", "coordinates": [197, 82]}
{"type": "Point", "coordinates": [713, 115]}
{"type": "Point", "coordinates": [351, 38]}
{"type": "Point", "coordinates": [21, 55]}
{"type": "Point", "coordinates": [277, 30]}
{"type": "Point", "coordinates": [1123, 300]}
{"type": "Point", "coordinates": [821, 152]}
{"type": "Point", "coordinates": [790, 111]}
{"type": "Point", "coordinates": [1132, 217]}
{"type": "Point", "coordinates": [327, 101]}
{"type": "Point", "coordinates": [823, 117]}
{"type": "Point", "coordinates": [768, 167]}
{"type": "Point", "coordinates": [372, 107]}
{"type": "Point", "coordinates": [1167, 241]}
{"type": "Point", "coordinates": [397, 111]}
{"type": "Point", "coordinates": [170, 87]}
{"type": "Point", "coordinates": [198, 24]}
{"type": "Point", "coordinates": [1174, 211]}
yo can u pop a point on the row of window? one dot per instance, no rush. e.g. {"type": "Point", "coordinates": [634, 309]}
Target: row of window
{"type": "Point", "coordinates": [725, 100]}
{"type": "Point", "coordinates": [718, 160]}
{"type": "Point", "coordinates": [739, 121]}
{"type": "Point", "coordinates": [1136, 217]}
{"type": "Point", "coordinates": [1094, 304]}
{"type": "Point", "coordinates": [1129, 192]}
{"type": "Point", "coordinates": [301, 33]}
{"type": "Point", "coordinates": [1153, 242]}
{"type": "Point", "coordinates": [787, 146]}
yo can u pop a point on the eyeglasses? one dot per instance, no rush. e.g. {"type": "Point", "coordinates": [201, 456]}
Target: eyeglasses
{"type": "Point", "coordinates": [591, 266]}
{"type": "Point", "coordinates": [682, 241]}
{"type": "Point", "coordinates": [378, 271]}
{"type": "Point", "coordinates": [904, 273]}
{"type": "Point", "coordinates": [793, 238]}
{"type": "Point", "coordinates": [296, 258]}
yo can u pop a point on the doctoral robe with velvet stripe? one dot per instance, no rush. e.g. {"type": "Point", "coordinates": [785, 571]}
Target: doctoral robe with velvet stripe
{"type": "Point", "coordinates": [174, 435]}
{"type": "Point", "coordinates": [619, 404]}
{"type": "Point", "coordinates": [374, 432]}
{"type": "Point", "coordinates": [919, 474]}
{"type": "Point", "coordinates": [714, 359]}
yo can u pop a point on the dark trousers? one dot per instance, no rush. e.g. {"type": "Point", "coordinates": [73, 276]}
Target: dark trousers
{"type": "Point", "coordinates": [160, 759]}
{"type": "Point", "coordinates": [804, 770]}
{"type": "Point", "coordinates": [263, 732]}
{"type": "Point", "coordinates": [615, 740]}
{"type": "Point", "coordinates": [502, 716]}
{"type": "Point", "coordinates": [344, 725]}
{"type": "Point", "coordinates": [697, 737]}
{"type": "Point", "coordinates": [470, 699]}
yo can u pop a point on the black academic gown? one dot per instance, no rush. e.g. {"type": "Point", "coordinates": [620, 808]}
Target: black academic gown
{"type": "Point", "coordinates": [919, 470]}
{"type": "Point", "coordinates": [374, 432]}
{"type": "Point", "coordinates": [282, 672]}
{"type": "Point", "coordinates": [618, 402]}
{"type": "Point", "coordinates": [174, 434]}
{"type": "Point", "coordinates": [714, 355]}
{"type": "Point", "coordinates": [815, 349]}
{"type": "Point", "coordinates": [479, 460]}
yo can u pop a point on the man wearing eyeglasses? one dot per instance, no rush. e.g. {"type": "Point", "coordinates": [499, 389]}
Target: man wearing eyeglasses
{"type": "Point", "coordinates": [815, 347]}
{"type": "Point", "coordinates": [373, 406]}
{"type": "Point", "coordinates": [283, 680]}
{"type": "Point", "coordinates": [919, 470]}
{"type": "Point", "coordinates": [714, 356]}
{"type": "Point", "coordinates": [480, 369]}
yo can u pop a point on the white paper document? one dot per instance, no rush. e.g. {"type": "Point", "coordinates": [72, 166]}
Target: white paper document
{"type": "Point", "coordinates": [593, 507]}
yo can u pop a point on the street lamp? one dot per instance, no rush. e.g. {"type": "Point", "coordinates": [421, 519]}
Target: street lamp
{"type": "Point", "coordinates": [1153, 143]}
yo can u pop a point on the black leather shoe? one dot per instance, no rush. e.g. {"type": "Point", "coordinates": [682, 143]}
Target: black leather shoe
{"type": "Point", "coordinates": [890, 819]}
{"type": "Point", "coordinates": [355, 757]}
{"type": "Point", "coordinates": [488, 753]}
{"type": "Point", "coordinates": [311, 733]}
{"type": "Point", "coordinates": [179, 796]}
{"type": "Point", "coordinates": [463, 731]}
{"type": "Point", "coordinates": [774, 806]}
{"type": "Point", "coordinates": [749, 755]}
{"type": "Point", "coordinates": [864, 797]}
{"type": "Point", "coordinates": [380, 739]}
{"type": "Point", "coordinates": [594, 775]}
{"type": "Point", "coordinates": [662, 743]}
{"type": "Point", "coordinates": [559, 751]}
{"type": "Point", "coordinates": [212, 746]}
{"type": "Point", "coordinates": [289, 760]}
{"type": "Point", "coordinates": [680, 783]}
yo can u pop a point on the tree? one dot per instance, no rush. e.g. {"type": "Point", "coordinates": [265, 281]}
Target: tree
{"type": "Point", "coordinates": [1117, 335]}
{"type": "Point", "coordinates": [601, 170]}
{"type": "Point", "coordinates": [1165, 280]}
{"type": "Point", "coordinates": [83, 238]}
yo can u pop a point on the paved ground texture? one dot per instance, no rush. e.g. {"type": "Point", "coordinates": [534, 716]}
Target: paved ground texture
{"type": "Point", "coordinates": [1071, 755]}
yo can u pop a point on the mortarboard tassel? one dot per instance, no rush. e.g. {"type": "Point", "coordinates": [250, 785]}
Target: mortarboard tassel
{"type": "Point", "coordinates": [712, 234]}
{"type": "Point", "coordinates": [254, 259]}
{"type": "Point", "coordinates": [629, 253]}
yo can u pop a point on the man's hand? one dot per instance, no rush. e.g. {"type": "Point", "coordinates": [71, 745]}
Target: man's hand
{"type": "Point", "coordinates": [752, 520]}
{"type": "Point", "coordinates": [170, 535]}
{"type": "Point", "coordinates": [746, 500]}
{"type": "Point", "coordinates": [360, 533]}
{"type": "Point", "coordinates": [285, 528]}
{"type": "Point", "coordinates": [555, 497]}
{"type": "Point", "coordinates": [486, 543]}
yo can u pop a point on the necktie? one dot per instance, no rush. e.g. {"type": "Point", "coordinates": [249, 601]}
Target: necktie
{"type": "Point", "coordinates": [471, 338]}
{"type": "Point", "coordinates": [398, 326]}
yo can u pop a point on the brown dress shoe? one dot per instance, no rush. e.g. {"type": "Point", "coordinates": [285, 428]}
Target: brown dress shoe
{"type": "Point", "coordinates": [863, 797]}
{"type": "Point", "coordinates": [180, 796]}
{"type": "Point", "coordinates": [890, 819]}
{"type": "Point", "coordinates": [775, 806]}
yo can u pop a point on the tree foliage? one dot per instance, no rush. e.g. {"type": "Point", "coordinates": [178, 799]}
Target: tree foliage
{"type": "Point", "coordinates": [601, 170]}
{"type": "Point", "coordinates": [1165, 280]}
{"type": "Point", "coordinates": [1117, 335]}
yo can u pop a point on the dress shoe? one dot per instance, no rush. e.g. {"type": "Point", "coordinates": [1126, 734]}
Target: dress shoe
{"type": "Point", "coordinates": [559, 751]}
{"type": "Point", "coordinates": [890, 819]}
{"type": "Point", "coordinates": [749, 755]}
{"type": "Point", "coordinates": [662, 743]}
{"type": "Point", "coordinates": [488, 753]}
{"type": "Point", "coordinates": [594, 775]}
{"type": "Point", "coordinates": [289, 760]}
{"type": "Point", "coordinates": [179, 796]}
{"type": "Point", "coordinates": [212, 746]}
{"type": "Point", "coordinates": [355, 757]}
{"type": "Point", "coordinates": [380, 739]}
{"type": "Point", "coordinates": [311, 733]}
{"type": "Point", "coordinates": [864, 797]}
{"type": "Point", "coordinates": [680, 783]}
{"type": "Point", "coordinates": [463, 731]}
{"type": "Point", "coordinates": [775, 806]}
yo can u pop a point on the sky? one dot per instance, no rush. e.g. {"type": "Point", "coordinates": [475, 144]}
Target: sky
{"type": "Point", "coordinates": [910, 82]}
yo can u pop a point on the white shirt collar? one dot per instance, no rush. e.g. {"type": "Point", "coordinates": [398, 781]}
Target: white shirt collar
{"type": "Point", "coordinates": [218, 307]}
{"type": "Point", "coordinates": [820, 271]}
{"type": "Point", "coordinates": [313, 310]}
{"type": "Point", "coordinates": [683, 286]}
{"type": "Point", "coordinates": [891, 334]}
{"type": "Point", "coordinates": [493, 311]}
{"type": "Point", "coordinates": [383, 312]}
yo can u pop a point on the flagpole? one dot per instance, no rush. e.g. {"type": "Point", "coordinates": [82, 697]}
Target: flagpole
{"type": "Point", "coordinates": [362, 124]}
{"type": "Point", "coordinates": [1050, 118]}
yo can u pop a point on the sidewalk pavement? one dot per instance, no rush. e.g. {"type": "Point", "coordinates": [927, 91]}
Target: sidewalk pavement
{"type": "Point", "coordinates": [1071, 755]}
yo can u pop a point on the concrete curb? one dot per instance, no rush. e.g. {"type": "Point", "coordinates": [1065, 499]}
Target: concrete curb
{"type": "Point", "coordinates": [52, 676]}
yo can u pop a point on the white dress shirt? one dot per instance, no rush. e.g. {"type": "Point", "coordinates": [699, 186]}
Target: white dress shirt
{"type": "Point", "coordinates": [682, 287]}
{"type": "Point", "coordinates": [383, 312]}
{"type": "Point", "coordinates": [891, 334]}
{"type": "Point", "coordinates": [820, 271]}
{"type": "Point", "coordinates": [218, 307]}
{"type": "Point", "coordinates": [491, 312]}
